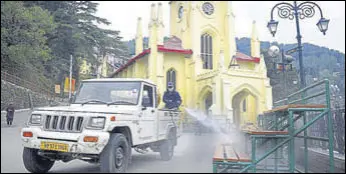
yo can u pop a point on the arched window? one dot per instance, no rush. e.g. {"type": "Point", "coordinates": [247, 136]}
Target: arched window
{"type": "Point", "coordinates": [207, 51]}
{"type": "Point", "coordinates": [244, 105]}
{"type": "Point", "coordinates": [171, 77]}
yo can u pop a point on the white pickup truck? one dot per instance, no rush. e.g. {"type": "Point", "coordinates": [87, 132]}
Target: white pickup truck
{"type": "Point", "coordinates": [105, 120]}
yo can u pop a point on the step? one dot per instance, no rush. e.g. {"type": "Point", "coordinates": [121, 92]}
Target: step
{"type": "Point", "coordinates": [289, 106]}
{"type": "Point", "coordinates": [227, 153]}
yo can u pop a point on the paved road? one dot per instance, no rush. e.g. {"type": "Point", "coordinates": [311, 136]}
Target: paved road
{"type": "Point", "coordinates": [193, 155]}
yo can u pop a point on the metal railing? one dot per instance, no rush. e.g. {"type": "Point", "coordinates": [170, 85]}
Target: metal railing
{"type": "Point", "coordinates": [320, 130]}
{"type": "Point", "coordinates": [279, 120]}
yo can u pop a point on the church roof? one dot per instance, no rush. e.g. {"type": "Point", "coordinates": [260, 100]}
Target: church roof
{"type": "Point", "coordinates": [243, 57]}
{"type": "Point", "coordinates": [171, 45]}
{"type": "Point", "coordinates": [132, 60]}
{"type": "Point", "coordinates": [162, 48]}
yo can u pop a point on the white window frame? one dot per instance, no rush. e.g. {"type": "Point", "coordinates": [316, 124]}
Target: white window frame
{"type": "Point", "coordinates": [207, 51]}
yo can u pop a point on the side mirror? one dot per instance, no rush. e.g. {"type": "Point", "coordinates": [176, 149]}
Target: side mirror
{"type": "Point", "coordinates": [144, 108]}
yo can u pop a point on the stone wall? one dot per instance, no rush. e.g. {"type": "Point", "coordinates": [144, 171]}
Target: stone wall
{"type": "Point", "coordinates": [20, 97]}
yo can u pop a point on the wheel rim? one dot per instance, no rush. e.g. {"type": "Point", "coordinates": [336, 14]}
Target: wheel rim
{"type": "Point", "coordinates": [119, 157]}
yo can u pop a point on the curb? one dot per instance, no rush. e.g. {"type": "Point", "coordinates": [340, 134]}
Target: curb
{"type": "Point", "coordinates": [17, 111]}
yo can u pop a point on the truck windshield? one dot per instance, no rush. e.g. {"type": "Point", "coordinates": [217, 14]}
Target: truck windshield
{"type": "Point", "coordinates": [117, 93]}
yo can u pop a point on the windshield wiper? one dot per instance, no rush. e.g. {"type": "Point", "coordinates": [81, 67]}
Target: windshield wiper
{"type": "Point", "coordinates": [119, 101]}
{"type": "Point", "coordinates": [98, 101]}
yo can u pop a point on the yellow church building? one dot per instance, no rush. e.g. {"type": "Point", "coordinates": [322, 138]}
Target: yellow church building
{"type": "Point", "coordinates": [201, 59]}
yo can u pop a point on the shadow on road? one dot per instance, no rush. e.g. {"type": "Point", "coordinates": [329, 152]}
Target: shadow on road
{"type": "Point", "coordinates": [193, 154]}
{"type": "Point", "coordinates": [140, 162]}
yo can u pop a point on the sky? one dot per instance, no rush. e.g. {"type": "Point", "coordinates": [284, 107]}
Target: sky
{"type": "Point", "coordinates": [123, 16]}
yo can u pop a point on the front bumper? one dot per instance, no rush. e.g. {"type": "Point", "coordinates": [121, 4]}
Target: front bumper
{"type": "Point", "coordinates": [75, 141]}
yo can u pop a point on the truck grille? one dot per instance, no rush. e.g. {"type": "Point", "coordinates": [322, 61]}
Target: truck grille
{"type": "Point", "coordinates": [63, 123]}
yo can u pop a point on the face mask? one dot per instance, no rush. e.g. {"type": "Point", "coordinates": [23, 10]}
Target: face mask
{"type": "Point", "coordinates": [170, 89]}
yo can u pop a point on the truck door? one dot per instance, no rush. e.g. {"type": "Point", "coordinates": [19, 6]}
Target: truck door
{"type": "Point", "coordinates": [148, 116]}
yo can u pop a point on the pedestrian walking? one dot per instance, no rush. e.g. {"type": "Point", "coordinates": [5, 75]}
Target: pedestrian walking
{"type": "Point", "coordinates": [10, 114]}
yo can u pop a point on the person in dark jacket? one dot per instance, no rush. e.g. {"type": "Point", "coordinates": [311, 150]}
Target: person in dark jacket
{"type": "Point", "coordinates": [10, 114]}
{"type": "Point", "coordinates": [171, 97]}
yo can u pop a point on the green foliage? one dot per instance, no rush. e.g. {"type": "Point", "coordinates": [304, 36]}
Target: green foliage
{"type": "Point", "coordinates": [43, 34]}
{"type": "Point", "coordinates": [23, 33]}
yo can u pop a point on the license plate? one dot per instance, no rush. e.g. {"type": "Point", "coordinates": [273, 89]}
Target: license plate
{"type": "Point", "coordinates": [54, 146]}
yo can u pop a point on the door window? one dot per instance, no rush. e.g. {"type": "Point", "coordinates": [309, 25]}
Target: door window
{"type": "Point", "coordinates": [148, 96]}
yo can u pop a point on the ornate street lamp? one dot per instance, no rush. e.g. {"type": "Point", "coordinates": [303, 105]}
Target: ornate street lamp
{"type": "Point", "coordinates": [323, 25]}
{"type": "Point", "coordinates": [273, 26]}
{"type": "Point", "coordinates": [301, 11]}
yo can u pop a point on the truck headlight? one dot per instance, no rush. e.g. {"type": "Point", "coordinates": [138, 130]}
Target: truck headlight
{"type": "Point", "coordinates": [36, 119]}
{"type": "Point", "coordinates": [97, 122]}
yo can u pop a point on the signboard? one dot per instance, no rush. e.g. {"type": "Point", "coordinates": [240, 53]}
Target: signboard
{"type": "Point", "coordinates": [283, 67]}
{"type": "Point", "coordinates": [293, 50]}
{"type": "Point", "coordinates": [57, 89]}
{"type": "Point", "coordinates": [67, 85]}
{"type": "Point", "coordinates": [73, 85]}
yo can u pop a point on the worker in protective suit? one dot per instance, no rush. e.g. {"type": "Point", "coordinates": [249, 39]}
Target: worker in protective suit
{"type": "Point", "coordinates": [171, 97]}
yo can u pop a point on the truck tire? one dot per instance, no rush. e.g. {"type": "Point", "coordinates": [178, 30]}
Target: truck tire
{"type": "Point", "coordinates": [167, 148]}
{"type": "Point", "coordinates": [35, 163]}
{"type": "Point", "coordinates": [115, 156]}
{"type": "Point", "coordinates": [130, 155]}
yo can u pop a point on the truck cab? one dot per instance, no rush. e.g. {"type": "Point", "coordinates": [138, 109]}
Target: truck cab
{"type": "Point", "coordinates": [106, 119]}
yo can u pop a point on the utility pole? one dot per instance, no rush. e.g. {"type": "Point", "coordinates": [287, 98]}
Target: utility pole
{"type": "Point", "coordinates": [70, 91]}
{"type": "Point", "coordinates": [283, 61]}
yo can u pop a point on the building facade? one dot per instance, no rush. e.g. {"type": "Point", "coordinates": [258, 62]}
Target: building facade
{"type": "Point", "coordinates": [201, 59]}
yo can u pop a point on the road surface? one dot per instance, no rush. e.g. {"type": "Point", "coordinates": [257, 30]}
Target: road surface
{"type": "Point", "coordinates": [192, 155]}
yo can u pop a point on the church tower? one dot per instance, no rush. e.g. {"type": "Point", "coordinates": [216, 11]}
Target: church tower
{"type": "Point", "coordinates": [196, 58]}
{"type": "Point", "coordinates": [206, 27]}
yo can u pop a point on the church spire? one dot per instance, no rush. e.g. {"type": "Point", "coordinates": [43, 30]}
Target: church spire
{"type": "Point", "coordinates": [139, 36]}
{"type": "Point", "coordinates": [159, 13]}
{"type": "Point", "coordinates": [231, 26]}
{"type": "Point", "coordinates": [153, 16]}
{"type": "Point", "coordinates": [153, 32]}
{"type": "Point", "coordinates": [161, 27]}
{"type": "Point", "coordinates": [153, 35]}
{"type": "Point", "coordinates": [255, 43]}
{"type": "Point", "coordinates": [254, 35]}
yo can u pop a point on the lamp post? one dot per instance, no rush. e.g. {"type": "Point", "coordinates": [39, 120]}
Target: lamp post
{"type": "Point", "coordinates": [301, 11]}
{"type": "Point", "coordinates": [284, 66]}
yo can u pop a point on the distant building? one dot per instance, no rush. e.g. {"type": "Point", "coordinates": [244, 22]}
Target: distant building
{"type": "Point", "coordinates": [107, 65]}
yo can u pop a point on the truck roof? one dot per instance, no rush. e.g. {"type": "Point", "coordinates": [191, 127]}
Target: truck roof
{"type": "Point", "coordinates": [119, 80]}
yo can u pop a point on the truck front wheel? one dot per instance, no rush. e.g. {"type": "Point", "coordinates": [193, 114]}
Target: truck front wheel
{"type": "Point", "coordinates": [35, 163]}
{"type": "Point", "coordinates": [115, 156]}
{"type": "Point", "coordinates": [167, 148]}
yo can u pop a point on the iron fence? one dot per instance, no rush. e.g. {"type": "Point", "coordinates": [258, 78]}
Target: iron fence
{"type": "Point", "coordinates": [320, 130]}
